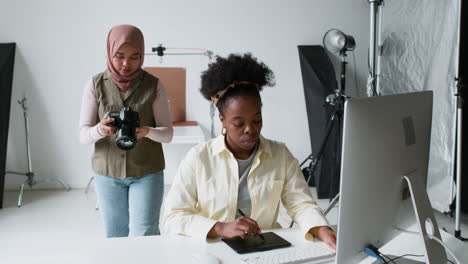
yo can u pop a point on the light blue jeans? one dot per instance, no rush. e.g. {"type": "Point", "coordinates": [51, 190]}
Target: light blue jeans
{"type": "Point", "coordinates": [130, 206]}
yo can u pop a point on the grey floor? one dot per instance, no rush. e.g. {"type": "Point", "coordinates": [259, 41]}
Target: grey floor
{"type": "Point", "coordinates": [47, 215]}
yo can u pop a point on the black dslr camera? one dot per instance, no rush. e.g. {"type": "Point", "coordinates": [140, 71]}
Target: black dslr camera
{"type": "Point", "coordinates": [126, 121]}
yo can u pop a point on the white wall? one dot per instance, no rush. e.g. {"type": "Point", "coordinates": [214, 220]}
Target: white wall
{"type": "Point", "coordinates": [61, 44]}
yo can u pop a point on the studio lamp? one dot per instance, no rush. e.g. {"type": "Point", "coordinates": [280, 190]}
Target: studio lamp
{"type": "Point", "coordinates": [337, 41]}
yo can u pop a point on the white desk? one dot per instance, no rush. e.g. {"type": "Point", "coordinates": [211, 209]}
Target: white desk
{"type": "Point", "coordinates": [169, 249]}
{"type": "Point", "coordinates": [407, 243]}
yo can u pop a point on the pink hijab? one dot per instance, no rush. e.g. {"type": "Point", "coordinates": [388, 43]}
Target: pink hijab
{"type": "Point", "coordinates": [118, 35]}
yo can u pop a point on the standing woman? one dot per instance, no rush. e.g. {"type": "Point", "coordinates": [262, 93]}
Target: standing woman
{"type": "Point", "coordinates": [129, 184]}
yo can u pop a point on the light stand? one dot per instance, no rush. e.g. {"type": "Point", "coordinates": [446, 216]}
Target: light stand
{"type": "Point", "coordinates": [460, 85]}
{"type": "Point", "coordinates": [374, 46]}
{"type": "Point", "coordinates": [30, 174]}
{"type": "Point", "coordinates": [334, 41]}
{"type": "Point", "coordinates": [459, 135]}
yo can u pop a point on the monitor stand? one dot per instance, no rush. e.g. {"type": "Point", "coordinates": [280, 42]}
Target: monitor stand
{"type": "Point", "coordinates": [435, 253]}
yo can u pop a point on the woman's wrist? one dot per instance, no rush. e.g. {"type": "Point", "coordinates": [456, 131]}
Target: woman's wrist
{"type": "Point", "coordinates": [315, 231]}
{"type": "Point", "coordinates": [216, 230]}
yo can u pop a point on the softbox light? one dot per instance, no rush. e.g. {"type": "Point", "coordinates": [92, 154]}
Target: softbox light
{"type": "Point", "coordinates": [319, 80]}
{"type": "Point", "coordinates": [7, 58]}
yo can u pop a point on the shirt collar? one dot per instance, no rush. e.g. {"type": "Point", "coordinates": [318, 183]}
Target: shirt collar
{"type": "Point", "coordinates": [219, 146]}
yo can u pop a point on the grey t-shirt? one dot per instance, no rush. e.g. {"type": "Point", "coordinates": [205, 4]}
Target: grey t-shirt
{"type": "Point", "coordinates": [243, 197]}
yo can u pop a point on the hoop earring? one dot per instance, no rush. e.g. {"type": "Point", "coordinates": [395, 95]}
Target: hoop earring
{"type": "Point", "coordinates": [223, 131]}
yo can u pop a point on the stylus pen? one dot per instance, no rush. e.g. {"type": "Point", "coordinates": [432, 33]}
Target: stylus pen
{"type": "Point", "coordinates": [260, 235]}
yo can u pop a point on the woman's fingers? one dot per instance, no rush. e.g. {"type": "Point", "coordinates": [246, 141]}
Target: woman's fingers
{"type": "Point", "coordinates": [253, 223]}
{"type": "Point", "coordinates": [106, 116]}
{"type": "Point", "coordinates": [331, 242]}
{"type": "Point", "coordinates": [105, 128]}
{"type": "Point", "coordinates": [106, 121]}
{"type": "Point", "coordinates": [241, 227]}
{"type": "Point", "coordinates": [241, 233]}
{"type": "Point", "coordinates": [330, 239]}
{"type": "Point", "coordinates": [249, 226]}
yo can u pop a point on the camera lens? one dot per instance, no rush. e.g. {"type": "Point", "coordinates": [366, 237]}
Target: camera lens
{"type": "Point", "coordinates": [125, 143]}
{"type": "Point", "coordinates": [126, 138]}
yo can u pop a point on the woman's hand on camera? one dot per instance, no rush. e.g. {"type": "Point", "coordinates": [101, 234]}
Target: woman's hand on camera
{"type": "Point", "coordinates": [142, 131]}
{"type": "Point", "coordinates": [104, 128]}
{"type": "Point", "coordinates": [241, 227]}
{"type": "Point", "coordinates": [326, 234]}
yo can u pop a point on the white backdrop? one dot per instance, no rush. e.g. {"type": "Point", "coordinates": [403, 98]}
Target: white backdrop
{"type": "Point", "coordinates": [61, 44]}
{"type": "Point", "coordinates": [420, 52]}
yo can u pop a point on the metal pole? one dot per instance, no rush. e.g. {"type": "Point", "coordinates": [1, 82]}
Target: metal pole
{"type": "Point", "coordinates": [460, 101]}
{"type": "Point", "coordinates": [379, 49]}
{"type": "Point", "coordinates": [332, 204]}
{"type": "Point", "coordinates": [459, 138]}
{"type": "Point", "coordinates": [26, 124]}
{"type": "Point", "coordinates": [459, 167]}
{"type": "Point", "coordinates": [343, 73]}
{"type": "Point", "coordinates": [372, 45]}
{"type": "Point", "coordinates": [374, 48]}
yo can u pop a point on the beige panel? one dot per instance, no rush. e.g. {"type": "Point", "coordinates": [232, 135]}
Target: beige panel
{"type": "Point", "coordinates": [174, 80]}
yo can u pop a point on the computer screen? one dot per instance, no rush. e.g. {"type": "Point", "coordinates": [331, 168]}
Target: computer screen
{"type": "Point", "coordinates": [385, 139]}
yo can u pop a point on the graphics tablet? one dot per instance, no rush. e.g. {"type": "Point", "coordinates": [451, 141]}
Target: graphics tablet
{"type": "Point", "coordinates": [254, 244]}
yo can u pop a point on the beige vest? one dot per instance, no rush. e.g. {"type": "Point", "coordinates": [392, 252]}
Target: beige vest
{"type": "Point", "coordinates": [147, 157]}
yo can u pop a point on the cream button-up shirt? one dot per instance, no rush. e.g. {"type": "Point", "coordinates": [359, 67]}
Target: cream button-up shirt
{"type": "Point", "coordinates": [205, 190]}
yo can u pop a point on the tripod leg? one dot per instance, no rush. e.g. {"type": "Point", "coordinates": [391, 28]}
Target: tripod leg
{"type": "Point", "coordinates": [306, 159]}
{"type": "Point", "coordinates": [20, 197]}
{"type": "Point", "coordinates": [64, 185]}
{"type": "Point", "coordinates": [60, 181]}
{"type": "Point", "coordinates": [329, 128]}
{"type": "Point", "coordinates": [332, 204]}
{"type": "Point", "coordinates": [314, 162]}
{"type": "Point", "coordinates": [89, 185]}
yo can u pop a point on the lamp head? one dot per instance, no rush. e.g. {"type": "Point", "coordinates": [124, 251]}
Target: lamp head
{"type": "Point", "coordinates": [337, 41]}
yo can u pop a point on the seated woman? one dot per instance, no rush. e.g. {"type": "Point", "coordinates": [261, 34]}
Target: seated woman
{"type": "Point", "coordinates": [239, 172]}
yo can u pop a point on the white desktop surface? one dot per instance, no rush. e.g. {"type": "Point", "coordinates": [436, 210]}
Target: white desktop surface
{"type": "Point", "coordinates": [408, 243]}
{"type": "Point", "coordinates": [173, 249]}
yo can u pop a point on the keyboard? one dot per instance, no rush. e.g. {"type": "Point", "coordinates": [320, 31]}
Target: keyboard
{"type": "Point", "coordinates": [316, 252]}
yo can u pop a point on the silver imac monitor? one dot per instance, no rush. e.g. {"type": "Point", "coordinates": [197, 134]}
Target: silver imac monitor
{"type": "Point", "coordinates": [385, 155]}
